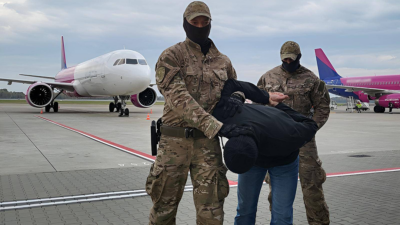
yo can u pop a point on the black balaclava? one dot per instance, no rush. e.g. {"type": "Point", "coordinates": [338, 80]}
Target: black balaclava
{"type": "Point", "coordinates": [293, 66]}
{"type": "Point", "coordinates": [198, 35]}
{"type": "Point", "coordinates": [240, 154]}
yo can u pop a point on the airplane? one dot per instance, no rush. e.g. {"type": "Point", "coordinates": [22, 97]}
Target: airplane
{"type": "Point", "coordinates": [121, 74]}
{"type": "Point", "coordinates": [382, 89]}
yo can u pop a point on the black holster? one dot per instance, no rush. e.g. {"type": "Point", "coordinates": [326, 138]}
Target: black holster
{"type": "Point", "coordinates": [155, 133]}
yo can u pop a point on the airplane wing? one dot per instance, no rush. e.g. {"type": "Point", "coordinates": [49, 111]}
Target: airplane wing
{"type": "Point", "coordinates": [45, 77]}
{"type": "Point", "coordinates": [64, 86]}
{"type": "Point", "coordinates": [368, 91]}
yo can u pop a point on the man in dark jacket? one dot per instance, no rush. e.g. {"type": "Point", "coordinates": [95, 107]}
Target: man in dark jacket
{"type": "Point", "coordinates": [263, 138]}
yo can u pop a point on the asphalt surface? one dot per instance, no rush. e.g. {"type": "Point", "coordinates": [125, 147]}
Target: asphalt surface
{"type": "Point", "coordinates": [41, 160]}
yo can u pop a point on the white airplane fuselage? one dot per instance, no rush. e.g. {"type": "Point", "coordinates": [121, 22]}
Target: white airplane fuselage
{"type": "Point", "coordinates": [101, 77]}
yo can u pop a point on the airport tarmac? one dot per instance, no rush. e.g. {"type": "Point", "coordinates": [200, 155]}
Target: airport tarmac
{"type": "Point", "coordinates": [84, 165]}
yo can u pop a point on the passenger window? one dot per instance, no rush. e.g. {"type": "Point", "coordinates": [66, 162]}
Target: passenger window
{"type": "Point", "coordinates": [131, 61]}
{"type": "Point", "coordinates": [116, 62]}
{"type": "Point", "coordinates": [142, 62]}
{"type": "Point", "coordinates": [122, 61]}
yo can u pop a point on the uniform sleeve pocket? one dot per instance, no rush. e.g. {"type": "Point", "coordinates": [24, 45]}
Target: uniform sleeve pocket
{"type": "Point", "coordinates": [155, 183]}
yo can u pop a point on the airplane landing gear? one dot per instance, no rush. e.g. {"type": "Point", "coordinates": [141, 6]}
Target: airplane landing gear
{"type": "Point", "coordinates": [55, 106]}
{"type": "Point", "coordinates": [120, 106]}
{"type": "Point", "coordinates": [115, 105]}
{"type": "Point", "coordinates": [379, 109]}
{"type": "Point", "coordinates": [111, 107]}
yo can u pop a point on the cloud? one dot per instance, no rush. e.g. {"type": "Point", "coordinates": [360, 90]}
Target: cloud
{"type": "Point", "coordinates": [234, 19]}
{"type": "Point", "coordinates": [354, 34]}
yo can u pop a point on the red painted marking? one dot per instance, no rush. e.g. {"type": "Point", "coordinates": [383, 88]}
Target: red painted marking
{"type": "Point", "coordinates": [362, 172]}
{"type": "Point", "coordinates": [231, 183]}
{"type": "Point", "coordinates": [136, 152]}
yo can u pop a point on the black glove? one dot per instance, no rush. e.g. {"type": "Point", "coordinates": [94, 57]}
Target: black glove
{"type": "Point", "coordinates": [233, 105]}
{"type": "Point", "coordinates": [232, 130]}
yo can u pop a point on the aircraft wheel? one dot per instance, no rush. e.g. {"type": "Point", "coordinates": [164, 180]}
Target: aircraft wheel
{"type": "Point", "coordinates": [111, 107]}
{"type": "Point", "coordinates": [332, 108]}
{"type": "Point", "coordinates": [55, 106]}
{"type": "Point", "coordinates": [47, 108]}
{"type": "Point", "coordinates": [383, 109]}
{"type": "Point", "coordinates": [126, 112]}
{"type": "Point", "coordinates": [119, 106]}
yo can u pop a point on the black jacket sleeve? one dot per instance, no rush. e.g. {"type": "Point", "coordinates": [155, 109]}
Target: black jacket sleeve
{"type": "Point", "coordinates": [306, 127]}
{"type": "Point", "coordinates": [251, 91]}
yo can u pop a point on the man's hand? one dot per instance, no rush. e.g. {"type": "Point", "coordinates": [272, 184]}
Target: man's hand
{"type": "Point", "coordinates": [233, 105]}
{"type": "Point", "coordinates": [232, 130]}
{"type": "Point", "coordinates": [276, 97]}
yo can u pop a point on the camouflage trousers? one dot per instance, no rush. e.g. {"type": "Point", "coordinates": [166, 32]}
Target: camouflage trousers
{"type": "Point", "coordinates": [166, 181]}
{"type": "Point", "coordinates": [312, 176]}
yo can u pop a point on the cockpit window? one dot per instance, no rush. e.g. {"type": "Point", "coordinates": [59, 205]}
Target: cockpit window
{"type": "Point", "coordinates": [142, 62]}
{"type": "Point", "coordinates": [122, 61]}
{"type": "Point", "coordinates": [131, 61]}
{"type": "Point", "coordinates": [116, 62]}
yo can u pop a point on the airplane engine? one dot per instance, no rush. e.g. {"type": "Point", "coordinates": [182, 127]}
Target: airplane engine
{"type": "Point", "coordinates": [145, 98]}
{"type": "Point", "coordinates": [383, 101]}
{"type": "Point", "coordinates": [39, 95]}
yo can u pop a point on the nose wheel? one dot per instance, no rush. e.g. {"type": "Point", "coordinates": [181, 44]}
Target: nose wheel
{"type": "Point", "coordinates": [111, 107]}
{"type": "Point", "coordinates": [119, 105]}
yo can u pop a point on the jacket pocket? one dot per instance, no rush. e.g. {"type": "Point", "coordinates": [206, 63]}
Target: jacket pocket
{"type": "Point", "coordinates": [221, 74]}
{"type": "Point", "coordinates": [155, 183]}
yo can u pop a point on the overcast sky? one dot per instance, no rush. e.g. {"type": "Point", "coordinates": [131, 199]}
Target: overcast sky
{"type": "Point", "coordinates": [359, 37]}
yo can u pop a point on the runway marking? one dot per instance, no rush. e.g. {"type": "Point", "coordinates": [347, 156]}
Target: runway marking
{"type": "Point", "coordinates": [115, 145]}
{"type": "Point", "coordinates": [136, 193]}
{"type": "Point", "coordinates": [106, 142]}
{"type": "Point", "coordinates": [362, 172]}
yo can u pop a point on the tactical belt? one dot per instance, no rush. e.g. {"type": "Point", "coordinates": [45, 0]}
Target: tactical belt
{"type": "Point", "coordinates": [181, 132]}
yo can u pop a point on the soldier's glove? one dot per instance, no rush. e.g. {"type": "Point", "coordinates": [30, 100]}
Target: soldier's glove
{"type": "Point", "coordinates": [233, 105]}
{"type": "Point", "coordinates": [232, 130]}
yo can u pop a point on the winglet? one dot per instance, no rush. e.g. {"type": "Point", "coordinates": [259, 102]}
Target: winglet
{"type": "Point", "coordinates": [325, 68]}
{"type": "Point", "coordinates": [63, 59]}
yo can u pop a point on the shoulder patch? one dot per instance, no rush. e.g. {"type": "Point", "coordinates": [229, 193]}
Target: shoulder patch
{"type": "Point", "coordinates": [160, 74]}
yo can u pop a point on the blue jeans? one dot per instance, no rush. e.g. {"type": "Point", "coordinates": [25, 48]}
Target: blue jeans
{"type": "Point", "coordinates": [283, 184]}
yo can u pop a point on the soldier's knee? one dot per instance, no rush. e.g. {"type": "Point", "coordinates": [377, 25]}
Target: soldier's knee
{"type": "Point", "coordinates": [210, 214]}
{"type": "Point", "coordinates": [162, 216]}
{"type": "Point", "coordinates": [313, 193]}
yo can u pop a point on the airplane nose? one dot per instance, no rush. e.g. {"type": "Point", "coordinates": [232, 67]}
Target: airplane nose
{"type": "Point", "coordinates": [140, 79]}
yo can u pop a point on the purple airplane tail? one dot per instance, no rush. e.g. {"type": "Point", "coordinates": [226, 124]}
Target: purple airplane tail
{"type": "Point", "coordinates": [325, 68]}
{"type": "Point", "coordinates": [63, 59]}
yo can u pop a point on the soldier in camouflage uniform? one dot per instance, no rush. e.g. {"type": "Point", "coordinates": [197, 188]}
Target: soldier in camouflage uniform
{"type": "Point", "coordinates": [191, 81]}
{"type": "Point", "coordinates": [305, 90]}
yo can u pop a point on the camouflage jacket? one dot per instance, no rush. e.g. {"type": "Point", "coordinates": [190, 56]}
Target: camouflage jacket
{"type": "Point", "coordinates": [191, 84]}
{"type": "Point", "coordinates": [304, 88]}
